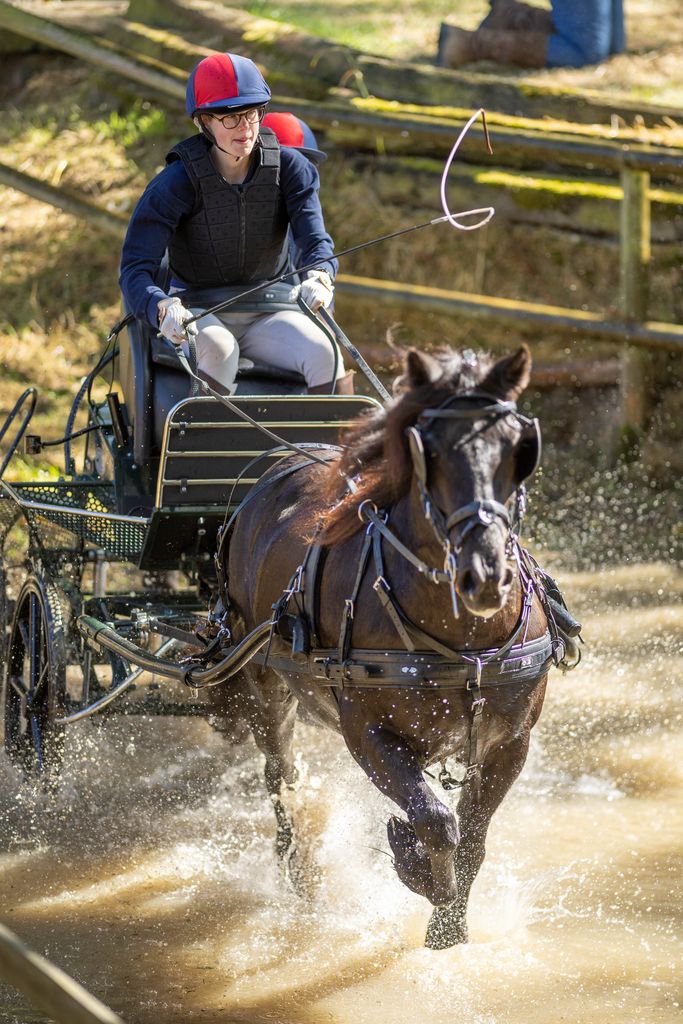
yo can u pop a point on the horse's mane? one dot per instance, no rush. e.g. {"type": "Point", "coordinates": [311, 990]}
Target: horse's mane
{"type": "Point", "coordinates": [376, 452]}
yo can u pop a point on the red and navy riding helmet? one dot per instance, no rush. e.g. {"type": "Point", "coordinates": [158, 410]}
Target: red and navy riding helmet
{"type": "Point", "coordinates": [225, 81]}
{"type": "Point", "coordinates": [292, 131]}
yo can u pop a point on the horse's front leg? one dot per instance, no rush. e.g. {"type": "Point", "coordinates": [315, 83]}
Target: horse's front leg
{"type": "Point", "coordinates": [502, 765]}
{"type": "Point", "coordinates": [448, 925]}
{"type": "Point", "coordinates": [425, 844]}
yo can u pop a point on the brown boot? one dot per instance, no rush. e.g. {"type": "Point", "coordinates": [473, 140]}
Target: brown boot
{"type": "Point", "coordinates": [521, 49]}
{"type": "Point", "coordinates": [517, 16]}
{"type": "Point", "coordinates": [343, 386]}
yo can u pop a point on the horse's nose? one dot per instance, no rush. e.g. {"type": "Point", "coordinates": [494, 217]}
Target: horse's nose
{"type": "Point", "coordinates": [482, 588]}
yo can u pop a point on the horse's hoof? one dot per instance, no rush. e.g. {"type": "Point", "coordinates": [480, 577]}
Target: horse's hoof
{"type": "Point", "coordinates": [411, 860]}
{"type": "Point", "coordinates": [446, 928]}
{"type": "Point", "coordinates": [401, 833]}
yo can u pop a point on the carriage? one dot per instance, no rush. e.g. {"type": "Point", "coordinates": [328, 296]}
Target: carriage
{"type": "Point", "coordinates": [121, 548]}
{"type": "Point", "coordinates": [420, 667]}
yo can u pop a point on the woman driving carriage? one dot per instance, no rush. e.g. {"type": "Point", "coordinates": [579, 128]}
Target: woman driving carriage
{"type": "Point", "coordinates": [226, 208]}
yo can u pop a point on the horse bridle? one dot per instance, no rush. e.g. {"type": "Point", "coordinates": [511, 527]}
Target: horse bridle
{"type": "Point", "coordinates": [467, 517]}
{"type": "Point", "coordinates": [478, 512]}
{"type": "Point", "coordinates": [475, 513]}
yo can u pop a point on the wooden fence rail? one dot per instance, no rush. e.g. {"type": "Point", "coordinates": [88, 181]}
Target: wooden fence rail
{"type": "Point", "coordinates": [286, 50]}
{"type": "Point", "coordinates": [529, 315]}
{"type": "Point", "coordinates": [47, 987]}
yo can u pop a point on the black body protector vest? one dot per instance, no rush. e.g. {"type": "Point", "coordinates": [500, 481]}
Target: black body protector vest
{"type": "Point", "coordinates": [236, 234]}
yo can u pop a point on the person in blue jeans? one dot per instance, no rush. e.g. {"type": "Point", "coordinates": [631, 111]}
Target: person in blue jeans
{"type": "Point", "coordinates": [570, 35]}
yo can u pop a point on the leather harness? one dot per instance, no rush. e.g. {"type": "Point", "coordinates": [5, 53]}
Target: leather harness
{"type": "Point", "coordinates": [424, 662]}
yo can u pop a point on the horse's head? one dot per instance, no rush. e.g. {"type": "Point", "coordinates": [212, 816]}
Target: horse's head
{"type": "Point", "coordinates": [471, 453]}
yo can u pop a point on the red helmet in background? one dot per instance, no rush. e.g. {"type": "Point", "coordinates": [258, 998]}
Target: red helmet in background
{"type": "Point", "coordinates": [292, 131]}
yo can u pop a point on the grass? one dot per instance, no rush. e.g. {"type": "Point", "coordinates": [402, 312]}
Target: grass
{"type": "Point", "coordinates": [381, 27]}
{"type": "Point", "coordinates": [135, 127]}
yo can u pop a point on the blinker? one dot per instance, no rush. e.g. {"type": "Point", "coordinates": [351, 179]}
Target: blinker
{"type": "Point", "coordinates": [417, 453]}
{"type": "Point", "coordinates": [528, 455]}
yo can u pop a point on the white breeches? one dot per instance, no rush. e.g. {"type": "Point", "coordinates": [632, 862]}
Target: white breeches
{"type": "Point", "coordinates": [286, 339]}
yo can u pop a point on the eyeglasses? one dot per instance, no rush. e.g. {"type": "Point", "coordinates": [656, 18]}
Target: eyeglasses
{"type": "Point", "coordinates": [251, 116]}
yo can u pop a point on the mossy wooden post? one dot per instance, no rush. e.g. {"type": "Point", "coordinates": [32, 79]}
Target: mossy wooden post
{"type": "Point", "coordinates": [633, 299]}
{"type": "Point", "coordinates": [47, 987]}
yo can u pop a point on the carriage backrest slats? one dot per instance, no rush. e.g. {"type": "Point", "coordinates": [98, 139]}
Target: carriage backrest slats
{"type": "Point", "coordinates": [205, 450]}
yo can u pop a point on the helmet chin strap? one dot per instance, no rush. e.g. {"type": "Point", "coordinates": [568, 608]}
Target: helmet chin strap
{"type": "Point", "coordinates": [211, 138]}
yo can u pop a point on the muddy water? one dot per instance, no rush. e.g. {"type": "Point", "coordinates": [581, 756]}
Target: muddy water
{"type": "Point", "coordinates": [151, 877]}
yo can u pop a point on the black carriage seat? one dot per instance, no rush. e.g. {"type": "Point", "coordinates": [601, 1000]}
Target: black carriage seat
{"type": "Point", "coordinates": [211, 458]}
{"type": "Point", "coordinates": [153, 382]}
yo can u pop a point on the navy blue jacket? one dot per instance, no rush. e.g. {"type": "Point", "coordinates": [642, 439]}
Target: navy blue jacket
{"type": "Point", "coordinates": [171, 196]}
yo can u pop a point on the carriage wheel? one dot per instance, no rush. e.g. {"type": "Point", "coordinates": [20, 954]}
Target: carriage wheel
{"type": "Point", "coordinates": [35, 682]}
{"type": "Point", "coordinates": [4, 610]}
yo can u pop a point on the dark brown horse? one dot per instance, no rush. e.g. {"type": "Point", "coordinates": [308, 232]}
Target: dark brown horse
{"type": "Point", "coordinates": [417, 556]}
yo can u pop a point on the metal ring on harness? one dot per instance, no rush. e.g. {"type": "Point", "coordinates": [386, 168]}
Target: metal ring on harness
{"type": "Point", "coordinates": [361, 514]}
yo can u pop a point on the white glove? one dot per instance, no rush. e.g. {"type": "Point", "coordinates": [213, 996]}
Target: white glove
{"type": "Point", "coordinates": [172, 317]}
{"type": "Point", "coordinates": [317, 290]}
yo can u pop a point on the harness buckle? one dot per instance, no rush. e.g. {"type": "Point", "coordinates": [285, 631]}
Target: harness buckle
{"type": "Point", "coordinates": [350, 611]}
{"type": "Point", "coordinates": [478, 705]}
{"type": "Point", "coordinates": [380, 584]}
{"type": "Point", "coordinates": [473, 685]}
{"type": "Point", "coordinates": [449, 781]}
{"type": "Point", "coordinates": [324, 664]}
{"type": "Point", "coordinates": [559, 651]}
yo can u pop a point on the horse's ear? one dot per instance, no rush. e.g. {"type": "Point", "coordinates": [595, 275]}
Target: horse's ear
{"type": "Point", "coordinates": [510, 376]}
{"type": "Point", "coordinates": [419, 368]}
